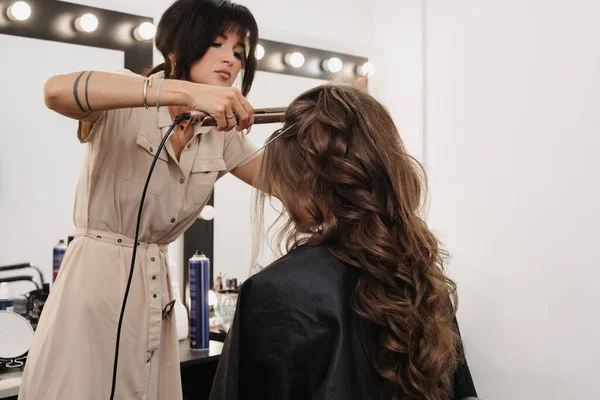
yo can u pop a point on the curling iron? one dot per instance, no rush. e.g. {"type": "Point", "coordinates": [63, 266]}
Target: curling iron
{"type": "Point", "coordinates": [261, 116]}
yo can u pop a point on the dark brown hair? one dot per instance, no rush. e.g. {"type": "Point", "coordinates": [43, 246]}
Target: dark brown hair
{"type": "Point", "coordinates": [189, 27]}
{"type": "Point", "coordinates": [342, 164]}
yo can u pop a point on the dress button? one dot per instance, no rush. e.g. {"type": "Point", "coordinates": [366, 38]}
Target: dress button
{"type": "Point", "coordinates": [152, 259]}
{"type": "Point", "coordinates": [181, 180]}
{"type": "Point", "coordinates": [173, 219]}
{"type": "Point", "coordinates": [153, 277]}
{"type": "Point", "coordinates": [154, 295]}
{"type": "Point", "coordinates": [189, 145]}
{"type": "Point", "coordinates": [151, 149]}
{"type": "Point", "coordinates": [119, 240]}
{"type": "Point", "coordinates": [99, 237]}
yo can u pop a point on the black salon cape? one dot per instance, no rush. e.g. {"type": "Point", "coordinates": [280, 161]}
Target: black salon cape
{"type": "Point", "coordinates": [295, 336]}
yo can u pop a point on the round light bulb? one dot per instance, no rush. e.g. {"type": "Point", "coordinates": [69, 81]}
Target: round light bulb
{"type": "Point", "coordinates": [19, 11]}
{"type": "Point", "coordinates": [366, 68]}
{"type": "Point", "coordinates": [333, 64]}
{"type": "Point", "coordinates": [145, 31]}
{"type": "Point", "coordinates": [295, 59]}
{"type": "Point", "coordinates": [207, 213]}
{"type": "Point", "coordinates": [86, 23]}
{"type": "Point", "coordinates": [260, 51]}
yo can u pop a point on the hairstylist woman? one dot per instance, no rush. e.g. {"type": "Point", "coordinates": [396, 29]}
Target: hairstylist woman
{"type": "Point", "coordinates": [205, 44]}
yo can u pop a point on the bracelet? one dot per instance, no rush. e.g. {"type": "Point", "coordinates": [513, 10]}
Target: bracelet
{"type": "Point", "coordinates": [158, 93]}
{"type": "Point", "coordinates": [147, 82]}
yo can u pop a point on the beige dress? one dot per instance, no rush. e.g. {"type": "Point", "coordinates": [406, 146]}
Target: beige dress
{"type": "Point", "coordinates": [73, 348]}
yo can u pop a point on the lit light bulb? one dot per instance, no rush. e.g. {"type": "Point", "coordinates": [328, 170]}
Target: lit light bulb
{"type": "Point", "coordinates": [333, 64]}
{"type": "Point", "coordinates": [295, 59]}
{"type": "Point", "coordinates": [207, 213]}
{"type": "Point", "coordinates": [260, 51]}
{"type": "Point", "coordinates": [86, 23]}
{"type": "Point", "coordinates": [19, 11]}
{"type": "Point", "coordinates": [145, 31]}
{"type": "Point", "coordinates": [366, 68]}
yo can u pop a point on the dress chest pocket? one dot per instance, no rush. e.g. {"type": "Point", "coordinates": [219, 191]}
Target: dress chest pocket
{"type": "Point", "coordinates": [140, 162]}
{"type": "Point", "coordinates": [204, 174]}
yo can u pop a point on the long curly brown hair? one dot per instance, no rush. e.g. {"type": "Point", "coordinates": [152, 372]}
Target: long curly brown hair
{"type": "Point", "coordinates": [342, 165]}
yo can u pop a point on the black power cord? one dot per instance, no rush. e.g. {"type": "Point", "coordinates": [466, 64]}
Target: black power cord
{"type": "Point", "coordinates": [178, 119]}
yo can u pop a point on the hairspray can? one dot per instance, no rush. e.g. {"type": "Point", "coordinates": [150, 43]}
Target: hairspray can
{"type": "Point", "coordinates": [58, 254]}
{"type": "Point", "coordinates": [199, 273]}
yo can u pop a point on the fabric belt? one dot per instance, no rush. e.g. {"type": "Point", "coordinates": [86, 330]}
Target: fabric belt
{"type": "Point", "coordinates": [159, 306]}
{"type": "Point", "coordinates": [115, 238]}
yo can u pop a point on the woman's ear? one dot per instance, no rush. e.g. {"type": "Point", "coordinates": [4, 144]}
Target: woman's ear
{"type": "Point", "coordinates": [362, 83]}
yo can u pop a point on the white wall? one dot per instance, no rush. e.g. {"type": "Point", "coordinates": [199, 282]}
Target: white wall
{"type": "Point", "coordinates": [396, 49]}
{"type": "Point", "coordinates": [513, 93]}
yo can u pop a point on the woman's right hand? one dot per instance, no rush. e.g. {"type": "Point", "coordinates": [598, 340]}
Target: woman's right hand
{"type": "Point", "coordinates": [220, 103]}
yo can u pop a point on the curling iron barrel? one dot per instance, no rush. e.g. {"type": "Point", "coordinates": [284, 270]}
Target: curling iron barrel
{"type": "Point", "coordinates": [261, 116]}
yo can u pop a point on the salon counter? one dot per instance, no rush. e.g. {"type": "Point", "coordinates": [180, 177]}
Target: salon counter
{"type": "Point", "coordinates": [197, 372]}
{"type": "Point", "coordinates": [189, 357]}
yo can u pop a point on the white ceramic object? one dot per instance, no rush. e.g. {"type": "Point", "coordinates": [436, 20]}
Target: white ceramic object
{"type": "Point", "coordinates": [16, 335]}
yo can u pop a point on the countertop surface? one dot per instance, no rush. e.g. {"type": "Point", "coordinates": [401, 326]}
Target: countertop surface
{"type": "Point", "coordinates": [10, 381]}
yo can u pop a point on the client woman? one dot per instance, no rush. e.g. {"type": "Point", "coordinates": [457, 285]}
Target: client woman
{"type": "Point", "coordinates": [360, 306]}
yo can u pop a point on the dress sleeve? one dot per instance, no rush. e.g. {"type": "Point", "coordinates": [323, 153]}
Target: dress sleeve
{"type": "Point", "coordinates": [236, 148]}
{"type": "Point", "coordinates": [87, 131]}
